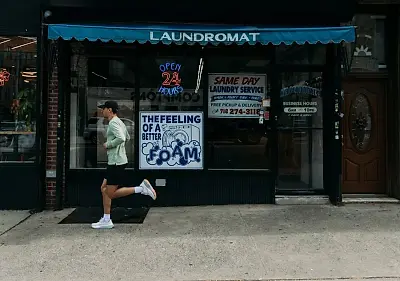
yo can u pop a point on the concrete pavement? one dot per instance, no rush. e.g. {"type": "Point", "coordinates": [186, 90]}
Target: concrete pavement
{"type": "Point", "coordinates": [9, 219]}
{"type": "Point", "coordinates": [269, 242]}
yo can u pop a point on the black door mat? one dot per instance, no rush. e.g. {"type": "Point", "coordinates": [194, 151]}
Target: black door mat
{"type": "Point", "coordinates": [83, 215]}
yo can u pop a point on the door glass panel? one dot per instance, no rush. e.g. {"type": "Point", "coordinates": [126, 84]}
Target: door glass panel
{"type": "Point", "coordinates": [300, 157]}
{"type": "Point", "coordinates": [301, 100]}
{"type": "Point", "coordinates": [360, 122]}
{"type": "Point", "coordinates": [293, 160]}
{"type": "Point", "coordinates": [300, 142]}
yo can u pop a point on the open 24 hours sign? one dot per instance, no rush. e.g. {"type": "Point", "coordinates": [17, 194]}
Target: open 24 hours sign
{"type": "Point", "coordinates": [235, 95]}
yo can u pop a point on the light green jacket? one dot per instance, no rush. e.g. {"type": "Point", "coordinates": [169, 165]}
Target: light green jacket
{"type": "Point", "coordinates": [117, 136]}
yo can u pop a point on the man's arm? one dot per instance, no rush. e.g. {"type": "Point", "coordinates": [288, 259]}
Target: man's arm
{"type": "Point", "coordinates": [119, 134]}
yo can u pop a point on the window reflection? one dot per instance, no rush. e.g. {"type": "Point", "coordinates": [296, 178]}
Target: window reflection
{"type": "Point", "coordinates": [237, 140]}
{"type": "Point", "coordinates": [153, 95]}
{"type": "Point", "coordinates": [300, 160]}
{"type": "Point", "coordinates": [301, 54]}
{"type": "Point", "coordinates": [17, 99]}
{"type": "Point", "coordinates": [368, 52]}
{"type": "Point", "coordinates": [95, 81]}
{"type": "Point", "coordinates": [238, 144]}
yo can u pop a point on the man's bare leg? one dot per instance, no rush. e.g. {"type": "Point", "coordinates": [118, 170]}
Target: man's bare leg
{"type": "Point", "coordinates": [105, 221]}
{"type": "Point", "coordinates": [110, 192]}
{"type": "Point", "coordinates": [124, 191]}
{"type": "Point", "coordinates": [106, 199]}
{"type": "Point", "coordinates": [145, 188]}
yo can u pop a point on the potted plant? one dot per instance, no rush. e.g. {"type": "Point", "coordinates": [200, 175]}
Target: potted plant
{"type": "Point", "coordinates": [24, 107]}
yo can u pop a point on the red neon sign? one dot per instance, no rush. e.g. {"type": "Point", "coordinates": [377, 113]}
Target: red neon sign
{"type": "Point", "coordinates": [171, 81]}
{"type": "Point", "coordinates": [4, 77]}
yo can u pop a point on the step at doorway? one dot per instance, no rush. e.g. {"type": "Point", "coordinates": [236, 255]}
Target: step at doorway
{"type": "Point", "coordinates": [302, 200]}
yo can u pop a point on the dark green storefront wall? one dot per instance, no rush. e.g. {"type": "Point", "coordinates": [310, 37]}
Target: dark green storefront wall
{"type": "Point", "coordinates": [183, 188]}
{"type": "Point", "coordinates": [19, 186]}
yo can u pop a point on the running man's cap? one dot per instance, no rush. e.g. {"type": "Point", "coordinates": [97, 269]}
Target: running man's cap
{"type": "Point", "coordinates": [113, 105]}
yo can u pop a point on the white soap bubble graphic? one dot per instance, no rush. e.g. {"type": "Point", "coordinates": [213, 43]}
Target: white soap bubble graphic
{"type": "Point", "coordinates": [146, 148]}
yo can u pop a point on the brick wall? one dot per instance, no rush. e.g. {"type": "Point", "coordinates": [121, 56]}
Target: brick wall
{"type": "Point", "coordinates": [51, 151]}
{"type": "Point", "coordinates": [79, 64]}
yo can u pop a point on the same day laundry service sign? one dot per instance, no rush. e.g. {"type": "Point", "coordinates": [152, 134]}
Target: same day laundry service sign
{"type": "Point", "coordinates": [171, 140]}
{"type": "Point", "coordinates": [236, 95]}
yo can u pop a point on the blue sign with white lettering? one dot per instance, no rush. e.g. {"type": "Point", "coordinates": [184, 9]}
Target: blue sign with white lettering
{"type": "Point", "coordinates": [171, 140]}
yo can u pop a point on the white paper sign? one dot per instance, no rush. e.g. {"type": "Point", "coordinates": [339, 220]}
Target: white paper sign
{"type": "Point", "coordinates": [236, 95]}
{"type": "Point", "coordinates": [266, 103]}
{"type": "Point", "coordinates": [171, 140]}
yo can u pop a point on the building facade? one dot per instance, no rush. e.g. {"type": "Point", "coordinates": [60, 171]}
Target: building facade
{"type": "Point", "coordinates": [237, 107]}
{"type": "Point", "coordinates": [370, 128]}
{"type": "Point", "coordinates": [20, 168]}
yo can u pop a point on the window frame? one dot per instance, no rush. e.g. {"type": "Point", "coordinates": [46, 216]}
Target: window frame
{"type": "Point", "coordinates": [279, 130]}
{"type": "Point", "coordinates": [271, 70]}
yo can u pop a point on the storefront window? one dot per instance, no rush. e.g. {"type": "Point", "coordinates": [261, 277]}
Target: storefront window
{"type": "Point", "coordinates": [18, 58]}
{"type": "Point", "coordinates": [301, 54]}
{"type": "Point", "coordinates": [237, 139]}
{"type": "Point", "coordinates": [94, 81]}
{"type": "Point", "coordinates": [300, 138]}
{"type": "Point", "coordinates": [171, 84]}
{"type": "Point", "coordinates": [171, 112]}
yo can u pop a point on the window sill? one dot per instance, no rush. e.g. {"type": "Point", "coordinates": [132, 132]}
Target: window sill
{"type": "Point", "coordinates": [242, 170]}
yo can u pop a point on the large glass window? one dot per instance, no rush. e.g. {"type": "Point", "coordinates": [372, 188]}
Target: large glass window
{"type": "Point", "coordinates": [160, 74]}
{"type": "Point", "coordinates": [95, 80]}
{"type": "Point", "coordinates": [237, 139]}
{"type": "Point", "coordinates": [300, 138]}
{"type": "Point", "coordinates": [301, 54]}
{"type": "Point", "coordinates": [18, 58]}
{"type": "Point", "coordinates": [171, 111]}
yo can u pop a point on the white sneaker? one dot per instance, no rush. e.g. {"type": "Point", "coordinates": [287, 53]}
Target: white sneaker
{"type": "Point", "coordinates": [148, 189]}
{"type": "Point", "coordinates": [102, 224]}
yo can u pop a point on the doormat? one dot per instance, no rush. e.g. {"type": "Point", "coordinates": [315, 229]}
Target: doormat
{"type": "Point", "coordinates": [83, 215]}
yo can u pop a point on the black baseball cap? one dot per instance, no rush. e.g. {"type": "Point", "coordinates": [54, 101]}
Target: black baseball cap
{"type": "Point", "coordinates": [113, 105]}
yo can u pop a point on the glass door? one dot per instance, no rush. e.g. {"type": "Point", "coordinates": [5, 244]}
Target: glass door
{"type": "Point", "coordinates": [299, 132]}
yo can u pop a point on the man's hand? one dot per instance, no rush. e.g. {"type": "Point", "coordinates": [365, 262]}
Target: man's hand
{"type": "Point", "coordinates": [105, 146]}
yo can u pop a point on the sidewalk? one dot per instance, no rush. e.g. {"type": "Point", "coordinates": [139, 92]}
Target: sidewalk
{"type": "Point", "coordinates": [10, 219]}
{"type": "Point", "coordinates": [211, 243]}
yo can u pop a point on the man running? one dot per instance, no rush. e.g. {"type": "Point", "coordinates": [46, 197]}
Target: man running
{"type": "Point", "coordinates": [117, 136]}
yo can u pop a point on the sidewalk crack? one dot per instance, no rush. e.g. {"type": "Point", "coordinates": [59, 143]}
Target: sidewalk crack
{"type": "Point", "coordinates": [11, 228]}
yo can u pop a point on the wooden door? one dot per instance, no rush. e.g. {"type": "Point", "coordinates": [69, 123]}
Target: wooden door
{"type": "Point", "coordinates": [364, 136]}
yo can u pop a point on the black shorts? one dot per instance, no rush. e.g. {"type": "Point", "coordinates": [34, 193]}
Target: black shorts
{"type": "Point", "coordinates": [115, 174]}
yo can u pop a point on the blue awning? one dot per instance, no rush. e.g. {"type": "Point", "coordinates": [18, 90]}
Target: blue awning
{"type": "Point", "coordinates": [202, 34]}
